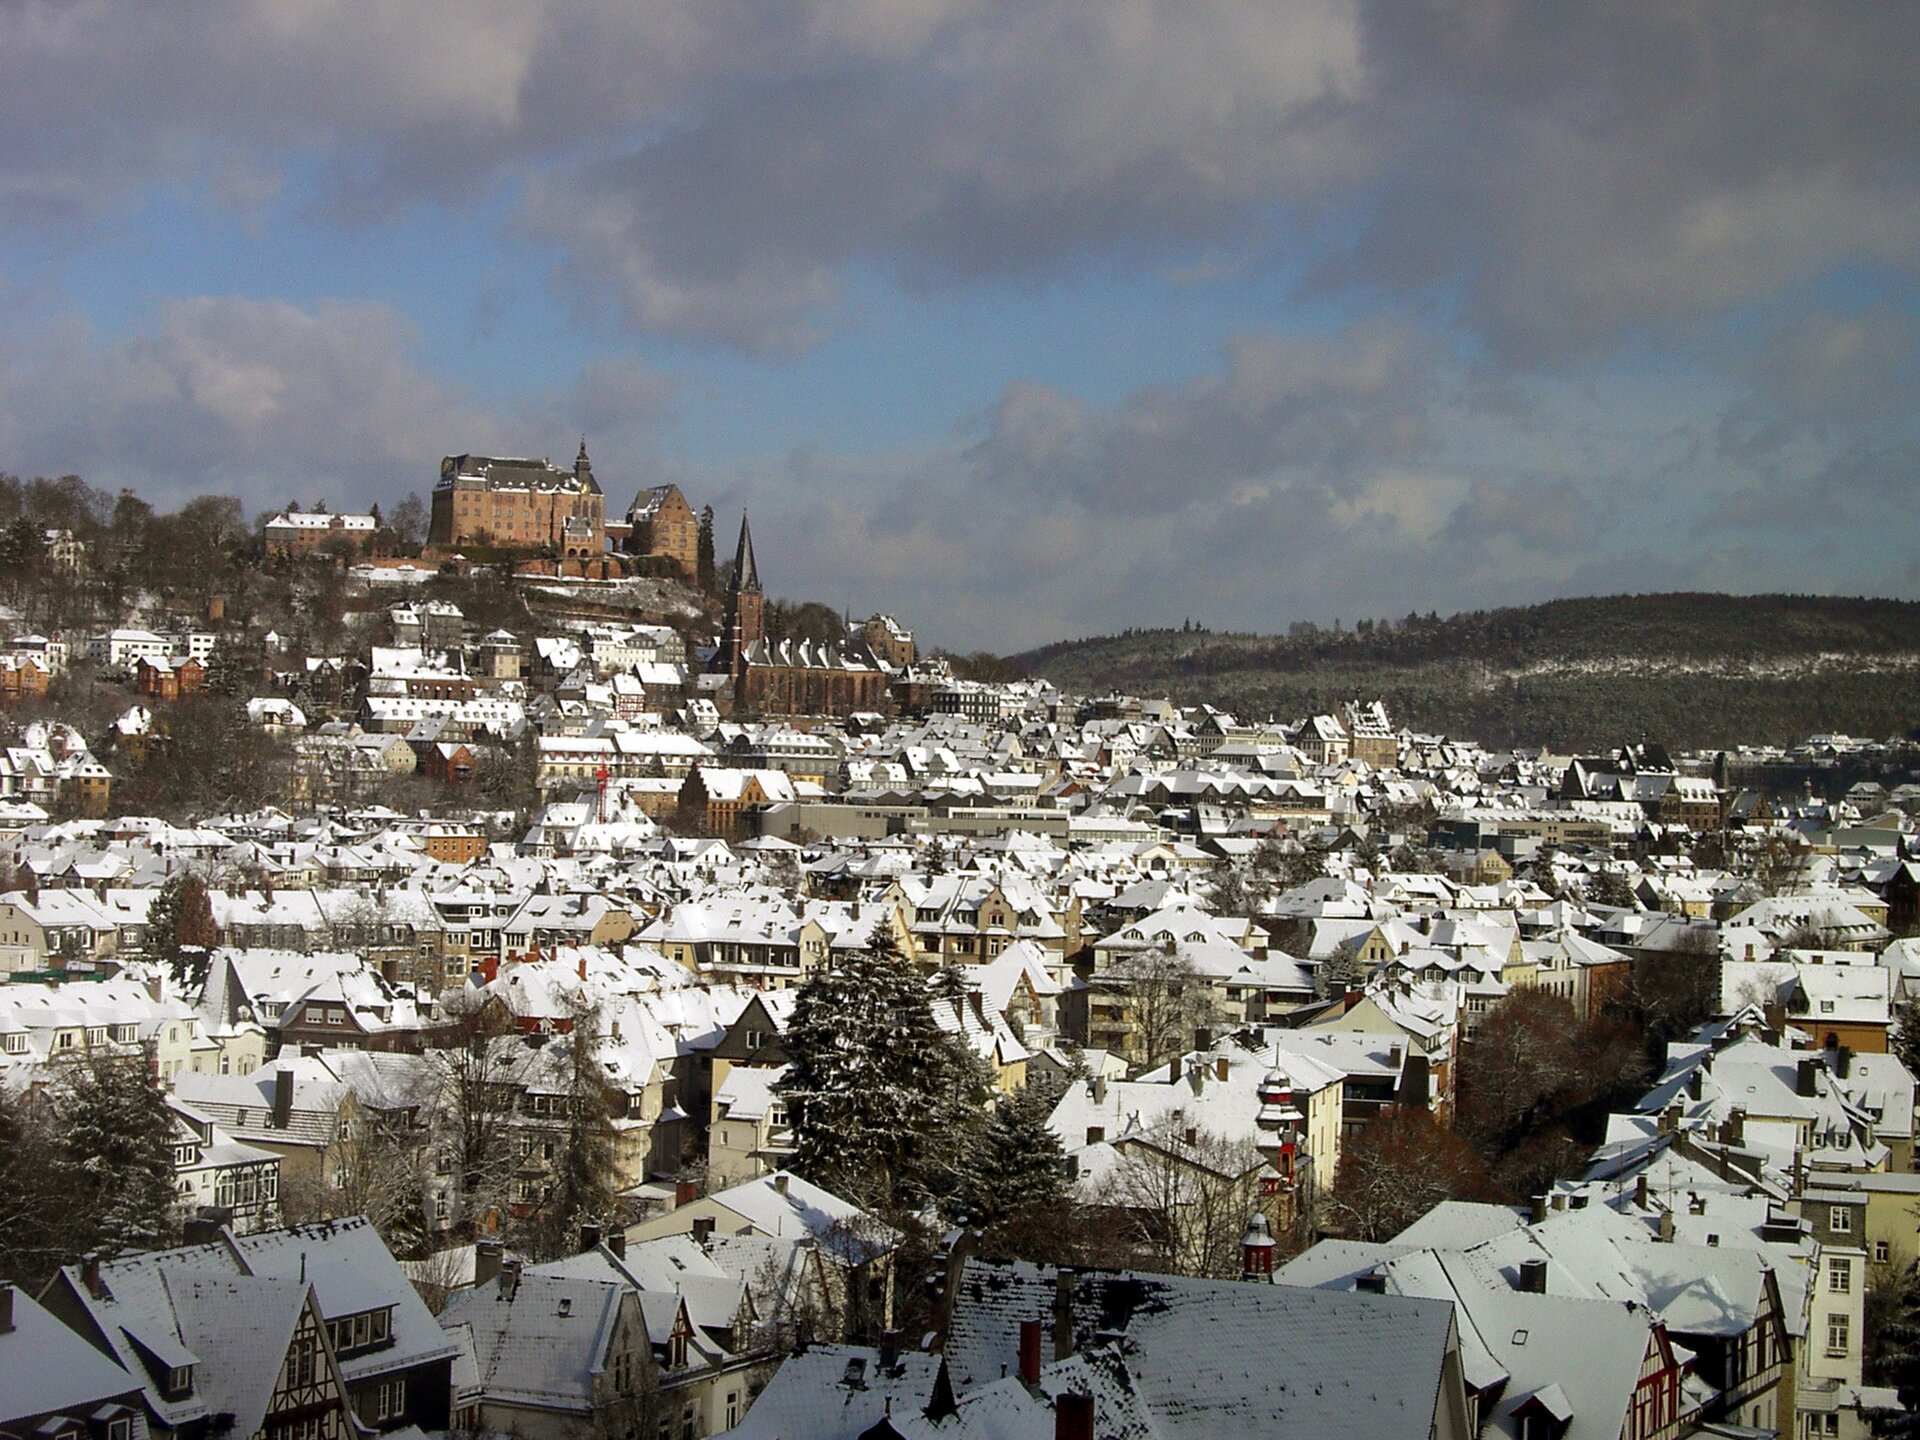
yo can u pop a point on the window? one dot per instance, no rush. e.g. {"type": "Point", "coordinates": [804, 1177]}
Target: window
{"type": "Point", "coordinates": [390, 1399]}
{"type": "Point", "coordinates": [120, 1429]}
{"type": "Point", "coordinates": [15, 1043]}
{"type": "Point", "coordinates": [1840, 1276]}
{"type": "Point", "coordinates": [1838, 1336]}
{"type": "Point", "coordinates": [1879, 1252]}
{"type": "Point", "coordinates": [1840, 1219]}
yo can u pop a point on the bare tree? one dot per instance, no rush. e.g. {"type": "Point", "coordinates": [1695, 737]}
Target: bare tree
{"type": "Point", "coordinates": [1166, 999]}
{"type": "Point", "coordinates": [485, 1065]}
{"type": "Point", "coordinates": [1184, 1193]}
{"type": "Point", "coordinates": [1778, 865]}
{"type": "Point", "coordinates": [1398, 1168]}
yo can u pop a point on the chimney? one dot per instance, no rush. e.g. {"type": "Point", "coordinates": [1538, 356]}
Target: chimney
{"type": "Point", "coordinates": [282, 1098]}
{"type": "Point", "coordinates": [1666, 1226]}
{"type": "Point", "coordinates": [1072, 1417]}
{"type": "Point", "coordinates": [1694, 1085]}
{"type": "Point", "coordinates": [685, 1192]}
{"type": "Point", "coordinates": [780, 1182]}
{"type": "Point", "coordinates": [1099, 1089]}
{"type": "Point", "coordinates": [1202, 1037]}
{"type": "Point", "coordinates": [1808, 1079]}
{"type": "Point", "coordinates": [583, 967]}
{"type": "Point", "coordinates": [1533, 1276]}
{"type": "Point", "coordinates": [703, 1230]}
{"type": "Point", "coordinates": [1737, 1125]}
{"type": "Point", "coordinates": [6, 1308]}
{"type": "Point", "coordinates": [1220, 1067]}
{"type": "Point", "coordinates": [1537, 1209]}
{"type": "Point", "coordinates": [1197, 1078]}
{"type": "Point", "coordinates": [1560, 1200]}
{"type": "Point", "coordinates": [1843, 1066]}
{"type": "Point", "coordinates": [509, 1279]}
{"type": "Point", "coordinates": [90, 1275]}
{"type": "Point", "coordinates": [589, 1238]}
{"type": "Point", "coordinates": [1640, 1190]}
{"type": "Point", "coordinates": [486, 1261]}
{"type": "Point", "coordinates": [1029, 1352]}
{"type": "Point", "coordinates": [1394, 1053]}
{"type": "Point", "coordinates": [617, 1242]}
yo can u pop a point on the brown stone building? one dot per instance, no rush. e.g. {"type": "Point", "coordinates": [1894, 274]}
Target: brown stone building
{"type": "Point", "coordinates": [662, 523]}
{"type": "Point", "coordinates": [890, 641]}
{"type": "Point", "coordinates": [22, 677]}
{"type": "Point", "coordinates": [169, 679]}
{"type": "Point", "coordinates": [519, 505]}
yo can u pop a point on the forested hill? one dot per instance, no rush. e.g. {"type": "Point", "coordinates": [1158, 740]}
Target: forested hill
{"type": "Point", "coordinates": [1690, 670]}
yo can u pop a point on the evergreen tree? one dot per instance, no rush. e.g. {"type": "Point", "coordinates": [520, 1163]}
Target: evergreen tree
{"type": "Point", "coordinates": [875, 1089]}
{"type": "Point", "coordinates": [703, 561]}
{"type": "Point", "coordinates": [1012, 1173]}
{"type": "Point", "coordinates": [1906, 1034]}
{"type": "Point", "coordinates": [163, 921]}
{"type": "Point", "coordinates": [114, 1173]}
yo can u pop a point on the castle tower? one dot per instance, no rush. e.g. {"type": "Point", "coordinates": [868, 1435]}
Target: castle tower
{"type": "Point", "coordinates": [746, 606]}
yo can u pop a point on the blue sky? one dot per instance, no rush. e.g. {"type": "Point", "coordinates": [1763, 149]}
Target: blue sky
{"type": "Point", "coordinates": [1019, 320]}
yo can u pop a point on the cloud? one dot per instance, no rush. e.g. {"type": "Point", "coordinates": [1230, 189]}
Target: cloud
{"type": "Point", "coordinates": [271, 401]}
{"type": "Point", "coordinates": [1562, 176]}
{"type": "Point", "coordinates": [1282, 410]}
{"type": "Point", "coordinates": [1586, 171]}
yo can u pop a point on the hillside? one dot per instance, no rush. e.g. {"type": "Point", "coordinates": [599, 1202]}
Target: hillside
{"type": "Point", "coordinates": [1692, 670]}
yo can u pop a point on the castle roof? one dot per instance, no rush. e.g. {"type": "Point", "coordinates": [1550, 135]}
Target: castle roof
{"type": "Point", "coordinates": [516, 473]}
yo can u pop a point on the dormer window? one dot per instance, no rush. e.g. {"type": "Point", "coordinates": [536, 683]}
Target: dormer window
{"type": "Point", "coordinates": [179, 1382]}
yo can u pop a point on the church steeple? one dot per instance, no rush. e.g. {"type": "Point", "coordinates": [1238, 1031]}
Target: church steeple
{"type": "Point", "coordinates": [746, 575]}
{"type": "Point", "coordinates": [746, 608]}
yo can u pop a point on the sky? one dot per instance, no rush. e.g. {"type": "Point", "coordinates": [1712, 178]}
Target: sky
{"type": "Point", "coordinates": [1019, 319]}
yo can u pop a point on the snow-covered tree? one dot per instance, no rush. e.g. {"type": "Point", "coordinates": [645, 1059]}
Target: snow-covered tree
{"type": "Point", "coordinates": [1012, 1172]}
{"type": "Point", "coordinates": [874, 1087]}
{"type": "Point", "coordinates": [114, 1170]}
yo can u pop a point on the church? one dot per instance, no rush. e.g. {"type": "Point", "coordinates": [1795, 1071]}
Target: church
{"type": "Point", "coordinates": [788, 677]}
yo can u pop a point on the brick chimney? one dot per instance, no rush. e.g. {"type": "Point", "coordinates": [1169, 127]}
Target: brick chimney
{"type": "Point", "coordinates": [486, 1261]}
{"type": "Point", "coordinates": [1029, 1352]}
{"type": "Point", "coordinates": [1073, 1417]}
{"type": "Point", "coordinates": [6, 1307]}
{"type": "Point", "coordinates": [90, 1275]}
{"type": "Point", "coordinates": [617, 1242]}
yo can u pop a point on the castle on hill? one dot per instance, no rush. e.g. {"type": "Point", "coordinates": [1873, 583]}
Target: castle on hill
{"type": "Point", "coordinates": [536, 509]}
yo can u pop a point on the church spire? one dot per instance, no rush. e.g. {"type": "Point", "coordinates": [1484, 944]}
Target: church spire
{"type": "Point", "coordinates": [746, 575]}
